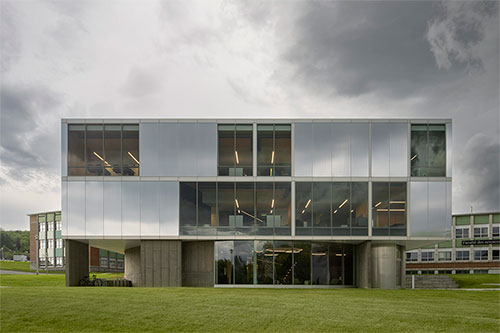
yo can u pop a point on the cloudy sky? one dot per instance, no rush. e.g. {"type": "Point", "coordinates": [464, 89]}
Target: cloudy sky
{"type": "Point", "coordinates": [244, 59]}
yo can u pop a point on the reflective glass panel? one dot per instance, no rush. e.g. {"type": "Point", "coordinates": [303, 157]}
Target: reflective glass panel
{"type": "Point", "coordinates": [302, 263]}
{"type": "Point", "coordinates": [169, 209]}
{"type": "Point", "coordinates": [130, 150]}
{"type": "Point", "coordinates": [112, 208]}
{"type": "Point", "coordinates": [112, 150]}
{"type": "Point", "coordinates": [303, 208]}
{"type": "Point", "coordinates": [283, 262]}
{"type": "Point", "coordinates": [320, 267]}
{"type": "Point", "coordinates": [245, 204]}
{"type": "Point", "coordinates": [76, 208]}
{"type": "Point", "coordinates": [131, 208]}
{"type": "Point", "coordinates": [335, 264]}
{"type": "Point", "coordinates": [169, 149]}
{"type": "Point", "coordinates": [187, 160]}
{"type": "Point", "coordinates": [265, 150]}
{"type": "Point", "coordinates": [360, 138]}
{"type": "Point", "coordinates": [226, 149]}
{"type": "Point", "coordinates": [438, 222]}
{"type": "Point", "coordinates": [187, 211]}
{"type": "Point", "coordinates": [206, 140]}
{"type": "Point", "coordinates": [322, 198]}
{"type": "Point", "coordinates": [224, 262]}
{"type": "Point", "coordinates": [419, 151]}
{"type": "Point", "coordinates": [397, 209]}
{"type": "Point", "coordinates": [207, 204]}
{"type": "Point", "coordinates": [380, 212]}
{"type": "Point", "coordinates": [359, 208]}
{"type": "Point", "coordinates": [418, 209]}
{"type": "Point", "coordinates": [243, 262]}
{"type": "Point", "coordinates": [282, 208]}
{"type": "Point", "coordinates": [341, 208]}
{"type": "Point", "coordinates": [282, 150]}
{"type": "Point", "coordinates": [437, 151]}
{"type": "Point", "coordinates": [399, 150]}
{"type": "Point", "coordinates": [76, 146]}
{"type": "Point", "coordinates": [264, 199]}
{"type": "Point", "coordinates": [226, 204]}
{"type": "Point", "coordinates": [264, 253]}
{"type": "Point", "coordinates": [94, 153]}
{"type": "Point", "coordinates": [243, 151]}
{"type": "Point", "coordinates": [340, 149]}
{"type": "Point", "coordinates": [150, 209]}
{"type": "Point", "coordinates": [380, 149]}
{"type": "Point", "coordinates": [322, 152]}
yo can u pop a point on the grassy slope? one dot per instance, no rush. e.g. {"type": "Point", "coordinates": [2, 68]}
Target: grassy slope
{"type": "Point", "coordinates": [54, 308]}
{"type": "Point", "coordinates": [19, 266]}
{"type": "Point", "coordinates": [476, 280]}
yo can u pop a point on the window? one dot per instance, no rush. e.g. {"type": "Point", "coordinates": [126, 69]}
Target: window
{"type": "Point", "coordinates": [41, 227]}
{"type": "Point", "coordinates": [411, 256]}
{"type": "Point", "coordinates": [274, 152]}
{"type": "Point", "coordinates": [50, 226]}
{"type": "Point", "coordinates": [104, 262]}
{"type": "Point", "coordinates": [480, 232]}
{"type": "Point", "coordinates": [444, 255]}
{"type": "Point", "coordinates": [59, 243]}
{"type": "Point", "coordinates": [119, 263]}
{"type": "Point", "coordinates": [43, 245]}
{"type": "Point", "coordinates": [480, 254]}
{"type": "Point", "coordinates": [462, 233]}
{"type": "Point", "coordinates": [50, 261]}
{"type": "Point", "coordinates": [389, 209]}
{"type": "Point", "coordinates": [462, 255]}
{"type": "Point", "coordinates": [97, 150]}
{"type": "Point", "coordinates": [58, 225]}
{"type": "Point", "coordinates": [112, 263]}
{"type": "Point", "coordinates": [50, 243]}
{"type": "Point", "coordinates": [496, 231]}
{"type": "Point", "coordinates": [59, 261]}
{"type": "Point", "coordinates": [428, 150]}
{"type": "Point", "coordinates": [235, 149]}
{"type": "Point", "coordinates": [58, 216]}
{"type": "Point", "coordinates": [495, 254]}
{"type": "Point", "coordinates": [428, 256]}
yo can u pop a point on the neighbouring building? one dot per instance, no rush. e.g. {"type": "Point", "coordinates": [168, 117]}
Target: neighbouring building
{"type": "Point", "coordinates": [45, 231]}
{"type": "Point", "coordinates": [473, 249]}
{"type": "Point", "coordinates": [267, 202]}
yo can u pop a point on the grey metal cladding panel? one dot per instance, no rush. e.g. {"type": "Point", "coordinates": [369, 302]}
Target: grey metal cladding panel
{"type": "Point", "coordinates": [322, 141]}
{"type": "Point", "coordinates": [206, 140]}
{"type": "Point", "coordinates": [131, 209]}
{"type": "Point", "coordinates": [64, 150]}
{"type": "Point", "coordinates": [398, 149]}
{"type": "Point", "coordinates": [169, 149]}
{"type": "Point", "coordinates": [438, 221]}
{"type": "Point", "coordinates": [150, 209]}
{"type": "Point", "coordinates": [112, 208]}
{"type": "Point", "coordinates": [449, 150]}
{"type": "Point", "coordinates": [419, 209]}
{"type": "Point", "coordinates": [340, 150]}
{"type": "Point", "coordinates": [303, 145]}
{"type": "Point", "coordinates": [64, 207]}
{"type": "Point", "coordinates": [187, 149]}
{"type": "Point", "coordinates": [380, 149]}
{"type": "Point", "coordinates": [149, 149]}
{"type": "Point", "coordinates": [449, 217]}
{"type": "Point", "coordinates": [76, 208]}
{"type": "Point", "coordinates": [94, 208]}
{"type": "Point", "coordinates": [169, 208]}
{"type": "Point", "coordinates": [360, 145]}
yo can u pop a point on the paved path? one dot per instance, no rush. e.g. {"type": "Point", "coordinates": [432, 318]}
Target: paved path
{"type": "Point", "coordinates": [4, 271]}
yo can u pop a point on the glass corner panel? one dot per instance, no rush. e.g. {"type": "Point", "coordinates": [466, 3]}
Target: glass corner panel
{"type": "Point", "coordinates": [419, 209]}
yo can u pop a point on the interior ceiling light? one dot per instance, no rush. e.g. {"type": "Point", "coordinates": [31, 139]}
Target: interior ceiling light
{"type": "Point", "coordinates": [270, 171]}
{"type": "Point", "coordinates": [397, 202]}
{"type": "Point", "coordinates": [133, 157]}
{"type": "Point", "coordinates": [237, 203]}
{"type": "Point", "coordinates": [272, 157]}
{"type": "Point", "coordinates": [335, 211]}
{"type": "Point", "coordinates": [272, 203]}
{"type": "Point", "coordinates": [414, 157]}
{"type": "Point", "coordinates": [378, 204]}
{"type": "Point", "coordinates": [303, 211]}
{"type": "Point", "coordinates": [307, 204]}
{"type": "Point", "coordinates": [237, 158]}
{"type": "Point", "coordinates": [342, 204]}
{"type": "Point", "coordinates": [102, 159]}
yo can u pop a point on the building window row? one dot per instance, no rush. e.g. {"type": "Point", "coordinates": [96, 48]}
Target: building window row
{"type": "Point", "coordinates": [479, 232]}
{"type": "Point", "coordinates": [284, 263]}
{"type": "Point", "coordinates": [103, 150]}
{"type": "Point", "coordinates": [446, 255]}
{"type": "Point", "coordinates": [428, 256]}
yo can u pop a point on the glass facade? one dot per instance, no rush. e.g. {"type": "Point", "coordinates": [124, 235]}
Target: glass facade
{"type": "Point", "coordinates": [274, 150]}
{"type": "Point", "coordinates": [284, 263]}
{"type": "Point", "coordinates": [103, 150]}
{"type": "Point", "coordinates": [428, 150]}
{"type": "Point", "coordinates": [389, 209]}
{"type": "Point", "coordinates": [235, 150]}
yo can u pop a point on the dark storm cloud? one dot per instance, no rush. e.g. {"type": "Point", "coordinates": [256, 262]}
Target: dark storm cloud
{"type": "Point", "coordinates": [353, 48]}
{"type": "Point", "coordinates": [25, 143]}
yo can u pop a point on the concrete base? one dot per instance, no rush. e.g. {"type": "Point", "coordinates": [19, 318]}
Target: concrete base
{"type": "Point", "coordinates": [364, 265]}
{"type": "Point", "coordinates": [77, 262]}
{"type": "Point", "coordinates": [198, 264]}
{"type": "Point", "coordinates": [133, 266]}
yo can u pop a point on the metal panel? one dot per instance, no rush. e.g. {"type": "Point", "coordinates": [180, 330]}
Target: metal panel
{"type": "Point", "coordinates": [168, 149]}
{"type": "Point", "coordinates": [398, 150]}
{"type": "Point", "coordinates": [360, 141]}
{"type": "Point", "coordinates": [438, 220]}
{"type": "Point", "coordinates": [449, 150]}
{"type": "Point", "coordinates": [64, 150]}
{"type": "Point", "coordinates": [112, 208]}
{"type": "Point", "coordinates": [93, 208]}
{"type": "Point", "coordinates": [339, 146]}
{"type": "Point", "coordinates": [384, 266]}
{"type": "Point", "coordinates": [169, 208]}
{"type": "Point", "coordinates": [418, 209]}
{"type": "Point", "coordinates": [149, 149]}
{"type": "Point", "coordinates": [76, 208]}
{"type": "Point", "coordinates": [206, 152]}
{"type": "Point", "coordinates": [449, 217]}
{"type": "Point", "coordinates": [131, 209]}
{"type": "Point", "coordinates": [64, 206]}
{"type": "Point", "coordinates": [303, 144]}
{"type": "Point", "coordinates": [380, 149]}
{"type": "Point", "coordinates": [150, 209]}
{"type": "Point", "coordinates": [322, 158]}
{"type": "Point", "coordinates": [187, 149]}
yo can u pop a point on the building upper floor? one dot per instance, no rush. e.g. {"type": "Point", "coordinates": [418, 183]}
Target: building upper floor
{"type": "Point", "coordinates": [335, 148]}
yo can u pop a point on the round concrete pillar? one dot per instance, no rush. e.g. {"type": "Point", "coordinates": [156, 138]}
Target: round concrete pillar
{"type": "Point", "coordinates": [384, 265]}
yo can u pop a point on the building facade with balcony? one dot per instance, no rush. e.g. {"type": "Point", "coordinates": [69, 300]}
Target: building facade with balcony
{"type": "Point", "coordinates": [266, 202]}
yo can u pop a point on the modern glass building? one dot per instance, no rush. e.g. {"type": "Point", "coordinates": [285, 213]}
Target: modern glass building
{"type": "Point", "coordinates": [245, 202]}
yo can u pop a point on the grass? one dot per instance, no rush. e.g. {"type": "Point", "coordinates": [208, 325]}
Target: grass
{"type": "Point", "coordinates": [476, 280]}
{"type": "Point", "coordinates": [47, 306]}
{"type": "Point", "coordinates": [21, 266]}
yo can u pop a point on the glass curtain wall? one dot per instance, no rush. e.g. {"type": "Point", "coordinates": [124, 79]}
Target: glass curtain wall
{"type": "Point", "coordinates": [428, 150]}
{"type": "Point", "coordinates": [274, 150]}
{"type": "Point", "coordinates": [284, 263]}
{"type": "Point", "coordinates": [331, 208]}
{"type": "Point", "coordinates": [103, 150]}
{"type": "Point", "coordinates": [235, 146]}
{"type": "Point", "coordinates": [389, 209]}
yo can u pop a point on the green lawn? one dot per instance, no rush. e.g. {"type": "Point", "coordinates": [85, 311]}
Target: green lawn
{"type": "Point", "coordinates": [477, 280]}
{"type": "Point", "coordinates": [48, 306]}
{"type": "Point", "coordinates": [21, 266]}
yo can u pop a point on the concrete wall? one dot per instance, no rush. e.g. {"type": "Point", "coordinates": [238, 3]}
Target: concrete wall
{"type": "Point", "coordinates": [161, 263]}
{"type": "Point", "coordinates": [384, 266]}
{"type": "Point", "coordinates": [364, 265]}
{"type": "Point", "coordinates": [133, 266]}
{"type": "Point", "coordinates": [198, 264]}
{"type": "Point", "coordinates": [77, 262]}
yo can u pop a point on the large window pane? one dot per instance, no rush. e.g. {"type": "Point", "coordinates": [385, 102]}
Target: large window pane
{"type": "Point", "coordinates": [76, 150]}
{"type": "Point", "coordinates": [437, 151]}
{"type": "Point", "coordinates": [303, 208]}
{"type": "Point", "coordinates": [130, 150]}
{"type": "Point", "coordinates": [348, 264]}
{"type": "Point", "coordinates": [207, 205]}
{"type": "Point", "coordinates": [359, 149]}
{"type": "Point", "coordinates": [94, 152]}
{"type": "Point", "coordinates": [359, 209]}
{"type": "Point", "coordinates": [226, 149]}
{"type": "Point", "coordinates": [265, 217]}
{"type": "Point", "coordinates": [245, 204]}
{"type": "Point", "coordinates": [226, 205]}
{"type": "Point", "coordinates": [340, 148]}
{"type": "Point", "coordinates": [380, 212]}
{"type": "Point", "coordinates": [341, 208]}
{"type": "Point", "coordinates": [224, 262]}
{"type": "Point", "coordinates": [335, 264]}
{"type": "Point", "coordinates": [112, 150]}
{"type": "Point", "coordinates": [187, 212]}
{"type": "Point", "coordinates": [243, 262]}
{"type": "Point", "coordinates": [282, 150]}
{"type": "Point", "coordinates": [322, 152]}
{"type": "Point", "coordinates": [419, 153]}
{"type": "Point", "coordinates": [302, 263]}
{"type": "Point", "coordinates": [281, 208]}
{"type": "Point", "coordinates": [265, 150]}
{"type": "Point", "coordinates": [320, 267]}
{"type": "Point", "coordinates": [264, 253]}
{"type": "Point", "coordinates": [380, 149]}
{"type": "Point", "coordinates": [244, 150]}
{"type": "Point", "coordinates": [322, 198]}
{"type": "Point", "coordinates": [397, 209]}
{"type": "Point", "coordinates": [303, 149]}
{"type": "Point", "coordinates": [283, 262]}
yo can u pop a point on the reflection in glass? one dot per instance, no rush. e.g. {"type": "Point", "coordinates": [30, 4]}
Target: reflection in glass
{"type": "Point", "coordinates": [264, 253]}
{"type": "Point", "coordinates": [341, 208]}
{"type": "Point", "coordinates": [187, 157]}
{"type": "Point", "coordinates": [94, 152]}
{"type": "Point", "coordinates": [398, 150]}
{"type": "Point", "coordinates": [224, 262]}
{"type": "Point", "coordinates": [235, 147]}
{"type": "Point", "coordinates": [320, 267]}
{"type": "Point", "coordinates": [112, 213]}
{"type": "Point", "coordinates": [243, 262]}
{"type": "Point", "coordinates": [303, 152]}
{"type": "Point", "coordinates": [336, 264]}
{"type": "Point", "coordinates": [112, 150]}
{"type": "Point", "coordinates": [302, 263]}
{"type": "Point", "coordinates": [380, 149]}
{"type": "Point", "coordinates": [322, 198]}
{"type": "Point", "coordinates": [359, 208]}
{"type": "Point", "coordinates": [150, 209]}
{"type": "Point", "coordinates": [380, 209]}
{"type": "Point", "coordinates": [303, 208]}
{"type": "Point", "coordinates": [245, 204]}
{"type": "Point", "coordinates": [265, 150]}
{"type": "Point", "coordinates": [207, 204]}
{"type": "Point", "coordinates": [437, 151]}
{"type": "Point", "coordinates": [428, 150]}
{"type": "Point", "coordinates": [94, 208]}
{"type": "Point", "coordinates": [397, 209]}
{"type": "Point", "coordinates": [283, 262]}
{"type": "Point", "coordinates": [322, 153]}
{"type": "Point", "coordinates": [130, 150]}
{"type": "Point", "coordinates": [340, 147]}
{"type": "Point", "coordinates": [281, 208]}
{"type": "Point", "coordinates": [274, 150]}
{"type": "Point", "coordinates": [226, 205]}
{"type": "Point", "coordinates": [187, 211]}
{"type": "Point", "coordinates": [226, 144]}
{"type": "Point", "coordinates": [418, 212]}
{"type": "Point", "coordinates": [265, 205]}
{"type": "Point", "coordinates": [282, 150]}
{"type": "Point", "coordinates": [360, 142]}
{"type": "Point", "coordinates": [348, 265]}
{"type": "Point", "coordinates": [76, 150]}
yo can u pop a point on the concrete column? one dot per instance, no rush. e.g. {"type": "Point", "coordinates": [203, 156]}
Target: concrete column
{"type": "Point", "coordinates": [364, 265]}
{"type": "Point", "coordinates": [198, 264]}
{"type": "Point", "coordinates": [161, 263]}
{"type": "Point", "coordinates": [133, 266]}
{"type": "Point", "coordinates": [77, 262]}
{"type": "Point", "coordinates": [384, 266]}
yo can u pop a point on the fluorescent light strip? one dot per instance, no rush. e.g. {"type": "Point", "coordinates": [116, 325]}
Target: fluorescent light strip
{"type": "Point", "coordinates": [237, 158]}
{"type": "Point", "coordinates": [102, 159]}
{"type": "Point", "coordinates": [378, 204]}
{"type": "Point", "coordinates": [335, 211]}
{"type": "Point", "coordinates": [342, 204]}
{"type": "Point", "coordinates": [414, 156]}
{"type": "Point", "coordinates": [237, 203]}
{"type": "Point", "coordinates": [307, 204]}
{"type": "Point", "coordinates": [272, 157]}
{"type": "Point", "coordinates": [272, 203]}
{"type": "Point", "coordinates": [133, 157]}
{"type": "Point", "coordinates": [303, 211]}
{"type": "Point", "coordinates": [397, 202]}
